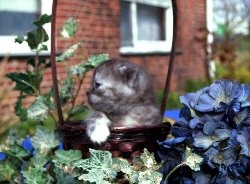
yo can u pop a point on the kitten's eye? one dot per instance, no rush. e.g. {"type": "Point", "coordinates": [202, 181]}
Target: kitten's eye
{"type": "Point", "coordinates": [97, 85]}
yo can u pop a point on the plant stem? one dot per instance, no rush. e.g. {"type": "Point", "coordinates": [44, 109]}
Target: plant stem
{"type": "Point", "coordinates": [5, 177]}
{"type": "Point", "coordinates": [52, 116]}
{"type": "Point", "coordinates": [37, 71]}
{"type": "Point", "coordinates": [76, 94]}
{"type": "Point", "coordinates": [173, 170]}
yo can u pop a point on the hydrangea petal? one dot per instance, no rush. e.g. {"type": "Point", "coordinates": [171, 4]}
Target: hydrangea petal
{"type": "Point", "coordinates": [202, 141]}
{"type": "Point", "coordinates": [243, 93]}
{"type": "Point", "coordinates": [209, 127]}
{"type": "Point", "coordinates": [194, 122]}
{"type": "Point", "coordinates": [205, 103]}
{"type": "Point", "coordinates": [244, 139]}
{"type": "Point", "coordinates": [222, 134]}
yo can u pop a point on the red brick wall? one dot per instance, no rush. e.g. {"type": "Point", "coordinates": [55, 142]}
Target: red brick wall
{"type": "Point", "coordinates": [100, 33]}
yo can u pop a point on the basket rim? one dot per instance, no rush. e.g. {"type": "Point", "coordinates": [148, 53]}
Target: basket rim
{"type": "Point", "coordinates": [80, 126]}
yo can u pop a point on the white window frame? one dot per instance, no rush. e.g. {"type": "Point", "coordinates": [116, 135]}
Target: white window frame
{"type": "Point", "coordinates": [8, 46]}
{"type": "Point", "coordinates": [144, 47]}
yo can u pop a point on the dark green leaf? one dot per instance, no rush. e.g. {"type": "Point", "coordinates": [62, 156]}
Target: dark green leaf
{"type": "Point", "coordinates": [67, 157]}
{"type": "Point", "coordinates": [64, 178]}
{"type": "Point", "coordinates": [66, 90]}
{"type": "Point", "coordinates": [43, 47]}
{"type": "Point", "coordinates": [8, 171]}
{"type": "Point", "coordinates": [38, 110]}
{"type": "Point", "coordinates": [20, 111]}
{"type": "Point", "coordinates": [78, 109]}
{"type": "Point", "coordinates": [49, 99]}
{"type": "Point", "coordinates": [44, 19]}
{"type": "Point", "coordinates": [25, 82]}
{"type": "Point", "coordinates": [39, 160]}
{"type": "Point", "coordinates": [17, 151]}
{"type": "Point", "coordinates": [36, 176]}
{"type": "Point", "coordinates": [37, 37]}
{"type": "Point", "coordinates": [92, 62]}
{"type": "Point", "coordinates": [32, 61]}
{"type": "Point", "coordinates": [68, 53]}
{"type": "Point", "coordinates": [69, 29]}
{"type": "Point", "coordinates": [19, 39]}
{"type": "Point", "coordinates": [44, 140]}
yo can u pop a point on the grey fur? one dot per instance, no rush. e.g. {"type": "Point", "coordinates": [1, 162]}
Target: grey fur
{"type": "Point", "coordinates": [124, 93]}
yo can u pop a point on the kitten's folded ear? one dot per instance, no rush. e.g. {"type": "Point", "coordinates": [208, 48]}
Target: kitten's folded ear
{"type": "Point", "coordinates": [129, 74]}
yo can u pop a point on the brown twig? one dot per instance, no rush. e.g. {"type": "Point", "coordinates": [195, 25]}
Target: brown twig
{"type": "Point", "coordinates": [53, 62]}
{"type": "Point", "coordinates": [171, 60]}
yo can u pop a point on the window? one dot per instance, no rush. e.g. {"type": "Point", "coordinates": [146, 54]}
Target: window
{"type": "Point", "coordinates": [16, 17]}
{"type": "Point", "coordinates": [146, 26]}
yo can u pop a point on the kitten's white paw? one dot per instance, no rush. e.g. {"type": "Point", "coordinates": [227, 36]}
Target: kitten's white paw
{"type": "Point", "coordinates": [99, 131]}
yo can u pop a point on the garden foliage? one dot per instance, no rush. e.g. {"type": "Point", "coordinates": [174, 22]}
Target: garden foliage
{"type": "Point", "coordinates": [43, 163]}
{"type": "Point", "coordinates": [29, 82]}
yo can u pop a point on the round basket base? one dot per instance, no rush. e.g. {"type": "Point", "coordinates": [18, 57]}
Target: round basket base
{"type": "Point", "coordinates": [125, 142]}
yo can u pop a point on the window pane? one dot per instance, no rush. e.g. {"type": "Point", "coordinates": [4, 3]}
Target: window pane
{"type": "Point", "coordinates": [16, 16]}
{"type": "Point", "coordinates": [126, 28]}
{"type": "Point", "coordinates": [150, 23]}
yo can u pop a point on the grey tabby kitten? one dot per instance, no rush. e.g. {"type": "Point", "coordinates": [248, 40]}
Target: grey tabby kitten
{"type": "Point", "coordinates": [121, 95]}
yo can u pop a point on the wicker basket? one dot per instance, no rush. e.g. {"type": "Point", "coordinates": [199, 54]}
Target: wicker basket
{"type": "Point", "coordinates": [123, 142]}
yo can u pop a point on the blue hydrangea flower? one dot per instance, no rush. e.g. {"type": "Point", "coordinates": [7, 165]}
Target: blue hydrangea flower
{"type": "Point", "coordinates": [201, 140]}
{"type": "Point", "coordinates": [215, 124]}
{"type": "Point", "coordinates": [216, 98]}
{"type": "Point", "coordinates": [243, 138]}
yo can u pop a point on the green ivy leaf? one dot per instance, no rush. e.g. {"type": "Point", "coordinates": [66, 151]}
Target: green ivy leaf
{"type": "Point", "coordinates": [66, 90]}
{"type": "Point", "coordinates": [192, 160]}
{"type": "Point", "coordinates": [68, 53]}
{"type": "Point", "coordinates": [38, 110]}
{"type": "Point", "coordinates": [149, 177]}
{"type": "Point", "coordinates": [148, 160]}
{"type": "Point", "coordinates": [44, 19]}
{"type": "Point", "coordinates": [77, 110]}
{"type": "Point", "coordinates": [92, 62]}
{"type": "Point", "coordinates": [42, 62]}
{"type": "Point", "coordinates": [122, 165]}
{"type": "Point", "coordinates": [8, 171]}
{"type": "Point", "coordinates": [44, 140]}
{"type": "Point", "coordinates": [67, 157]}
{"type": "Point", "coordinates": [64, 178]}
{"type": "Point", "coordinates": [25, 82]}
{"type": "Point", "coordinates": [37, 37]}
{"type": "Point", "coordinates": [39, 160]}
{"type": "Point", "coordinates": [19, 110]}
{"type": "Point", "coordinates": [36, 176]}
{"type": "Point", "coordinates": [96, 60]}
{"type": "Point", "coordinates": [50, 99]}
{"type": "Point", "coordinates": [94, 176]}
{"type": "Point", "coordinates": [69, 29]}
{"type": "Point", "coordinates": [19, 39]}
{"type": "Point", "coordinates": [16, 151]}
{"type": "Point", "coordinates": [99, 162]}
{"type": "Point", "coordinates": [43, 47]}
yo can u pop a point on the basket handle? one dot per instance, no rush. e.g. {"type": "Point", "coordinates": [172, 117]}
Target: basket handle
{"type": "Point", "coordinates": [53, 63]}
{"type": "Point", "coordinates": [171, 59]}
{"type": "Point", "coordinates": [54, 71]}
